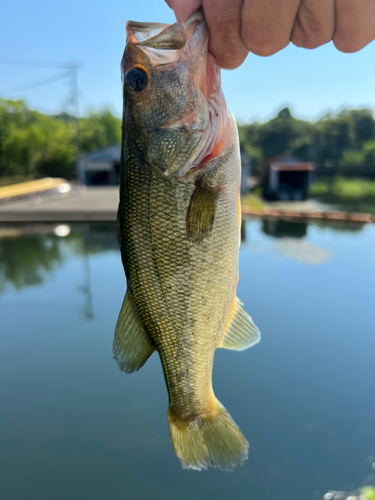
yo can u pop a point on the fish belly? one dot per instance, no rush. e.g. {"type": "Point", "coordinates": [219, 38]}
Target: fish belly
{"type": "Point", "coordinates": [183, 290]}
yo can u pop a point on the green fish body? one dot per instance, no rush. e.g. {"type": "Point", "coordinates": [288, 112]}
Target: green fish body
{"type": "Point", "coordinates": [178, 227]}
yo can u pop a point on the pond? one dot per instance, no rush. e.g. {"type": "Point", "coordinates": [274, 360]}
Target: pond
{"type": "Point", "coordinates": [73, 427]}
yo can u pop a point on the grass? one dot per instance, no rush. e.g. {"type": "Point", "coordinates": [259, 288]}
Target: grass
{"type": "Point", "coordinates": [347, 189]}
{"type": "Point", "coordinates": [252, 201]}
{"type": "Point", "coordinates": [354, 188]}
{"type": "Point", "coordinates": [350, 195]}
{"type": "Point", "coordinates": [319, 188]}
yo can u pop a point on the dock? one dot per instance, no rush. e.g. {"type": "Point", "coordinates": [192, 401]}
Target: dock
{"type": "Point", "coordinates": [318, 216]}
{"type": "Point", "coordinates": [79, 203]}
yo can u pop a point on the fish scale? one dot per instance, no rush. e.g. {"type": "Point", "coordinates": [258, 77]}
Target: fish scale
{"type": "Point", "coordinates": [170, 282]}
{"type": "Point", "coordinates": [179, 236]}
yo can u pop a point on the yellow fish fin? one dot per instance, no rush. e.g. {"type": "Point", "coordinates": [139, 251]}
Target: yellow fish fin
{"type": "Point", "coordinates": [201, 213]}
{"type": "Point", "coordinates": [212, 439]}
{"type": "Point", "coordinates": [131, 345]}
{"type": "Point", "coordinates": [241, 331]}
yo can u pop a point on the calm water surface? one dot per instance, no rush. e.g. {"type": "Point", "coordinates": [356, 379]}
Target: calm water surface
{"type": "Point", "coordinates": [73, 427]}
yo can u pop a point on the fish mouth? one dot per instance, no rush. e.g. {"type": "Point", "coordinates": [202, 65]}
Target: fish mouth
{"type": "Point", "coordinates": [171, 43]}
{"type": "Point", "coordinates": [163, 36]}
{"type": "Point", "coordinates": [139, 32]}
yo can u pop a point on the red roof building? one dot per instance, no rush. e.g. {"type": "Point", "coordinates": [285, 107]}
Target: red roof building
{"type": "Point", "coordinates": [287, 178]}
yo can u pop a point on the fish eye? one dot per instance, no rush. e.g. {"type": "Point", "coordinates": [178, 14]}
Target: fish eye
{"type": "Point", "coordinates": [136, 79]}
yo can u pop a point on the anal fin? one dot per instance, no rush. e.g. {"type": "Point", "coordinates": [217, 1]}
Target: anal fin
{"type": "Point", "coordinates": [241, 331]}
{"type": "Point", "coordinates": [131, 346]}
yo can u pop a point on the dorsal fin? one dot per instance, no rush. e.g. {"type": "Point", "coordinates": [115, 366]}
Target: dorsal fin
{"type": "Point", "coordinates": [241, 331]}
{"type": "Point", "coordinates": [131, 345]}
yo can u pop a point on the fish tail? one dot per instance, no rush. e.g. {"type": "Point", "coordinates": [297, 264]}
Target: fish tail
{"type": "Point", "coordinates": [212, 440]}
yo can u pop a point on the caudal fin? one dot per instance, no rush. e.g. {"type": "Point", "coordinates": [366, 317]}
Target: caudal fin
{"type": "Point", "coordinates": [213, 440]}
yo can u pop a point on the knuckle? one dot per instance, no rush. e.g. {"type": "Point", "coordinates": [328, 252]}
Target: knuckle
{"type": "Point", "coordinates": [348, 44]}
{"type": "Point", "coordinates": [261, 41]}
{"type": "Point", "coordinates": [228, 56]}
{"type": "Point", "coordinates": [229, 62]}
{"type": "Point", "coordinates": [309, 32]}
{"type": "Point", "coordinates": [309, 39]}
{"type": "Point", "coordinates": [263, 50]}
{"type": "Point", "coordinates": [223, 18]}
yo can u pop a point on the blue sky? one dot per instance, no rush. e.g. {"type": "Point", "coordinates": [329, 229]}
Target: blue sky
{"type": "Point", "coordinates": [311, 83]}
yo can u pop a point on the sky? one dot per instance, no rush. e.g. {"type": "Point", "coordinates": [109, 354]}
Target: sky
{"type": "Point", "coordinates": [310, 82]}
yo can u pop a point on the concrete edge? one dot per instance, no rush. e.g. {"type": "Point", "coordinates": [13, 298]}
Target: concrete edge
{"type": "Point", "coordinates": [33, 216]}
{"type": "Point", "coordinates": [110, 216]}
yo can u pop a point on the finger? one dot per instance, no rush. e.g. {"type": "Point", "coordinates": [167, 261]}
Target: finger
{"type": "Point", "coordinates": [184, 8]}
{"type": "Point", "coordinates": [223, 19]}
{"type": "Point", "coordinates": [314, 24]}
{"type": "Point", "coordinates": [267, 25]}
{"type": "Point", "coordinates": [355, 24]}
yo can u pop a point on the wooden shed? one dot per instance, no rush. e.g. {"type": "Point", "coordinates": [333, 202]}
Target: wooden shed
{"type": "Point", "coordinates": [287, 178]}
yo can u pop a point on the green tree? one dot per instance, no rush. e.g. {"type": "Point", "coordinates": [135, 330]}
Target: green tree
{"type": "Point", "coordinates": [17, 148]}
{"type": "Point", "coordinates": [34, 144]}
{"type": "Point", "coordinates": [99, 130]}
{"type": "Point", "coordinates": [360, 157]}
{"type": "Point", "coordinates": [248, 137]}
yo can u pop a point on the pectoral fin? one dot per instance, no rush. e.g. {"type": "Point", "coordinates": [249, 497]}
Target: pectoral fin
{"type": "Point", "coordinates": [201, 213]}
{"type": "Point", "coordinates": [241, 332]}
{"type": "Point", "coordinates": [131, 346]}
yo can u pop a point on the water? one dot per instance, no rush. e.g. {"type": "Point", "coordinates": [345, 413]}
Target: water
{"type": "Point", "coordinates": [72, 426]}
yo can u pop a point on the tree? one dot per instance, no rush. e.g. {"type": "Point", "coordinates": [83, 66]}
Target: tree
{"type": "Point", "coordinates": [99, 130]}
{"type": "Point", "coordinates": [35, 144]}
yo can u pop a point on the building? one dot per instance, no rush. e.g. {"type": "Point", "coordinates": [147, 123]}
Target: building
{"type": "Point", "coordinates": [287, 178]}
{"type": "Point", "coordinates": [101, 167]}
{"type": "Point", "coordinates": [245, 173]}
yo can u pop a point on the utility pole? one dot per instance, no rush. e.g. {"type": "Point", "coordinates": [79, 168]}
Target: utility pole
{"type": "Point", "coordinates": [74, 102]}
{"type": "Point", "coordinates": [69, 72]}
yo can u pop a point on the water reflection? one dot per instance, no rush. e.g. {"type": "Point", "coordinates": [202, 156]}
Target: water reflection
{"type": "Point", "coordinates": [278, 228]}
{"type": "Point", "coordinates": [281, 229]}
{"type": "Point", "coordinates": [73, 426]}
{"type": "Point", "coordinates": [29, 253]}
{"type": "Point", "coordinates": [296, 249]}
{"type": "Point", "coordinates": [287, 238]}
{"type": "Point", "coordinates": [85, 288]}
{"type": "Point", "coordinates": [25, 261]}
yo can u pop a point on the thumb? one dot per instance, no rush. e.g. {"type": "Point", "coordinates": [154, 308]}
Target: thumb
{"type": "Point", "coordinates": [184, 8]}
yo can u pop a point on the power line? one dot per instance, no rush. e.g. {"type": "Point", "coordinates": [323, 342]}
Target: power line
{"type": "Point", "coordinates": [38, 83]}
{"type": "Point", "coordinates": [39, 64]}
{"type": "Point", "coordinates": [70, 72]}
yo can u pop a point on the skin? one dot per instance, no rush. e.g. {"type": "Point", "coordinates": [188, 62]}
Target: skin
{"type": "Point", "coordinates": [266, 26]}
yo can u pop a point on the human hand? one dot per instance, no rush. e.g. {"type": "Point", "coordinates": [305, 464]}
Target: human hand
{"type": "Point", "coordinates": [267, 26]}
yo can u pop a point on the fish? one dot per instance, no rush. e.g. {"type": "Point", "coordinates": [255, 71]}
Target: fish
{"type": "Point", "coordinates": [178, 224]}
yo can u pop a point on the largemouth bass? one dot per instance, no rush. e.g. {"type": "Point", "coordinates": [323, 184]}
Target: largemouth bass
{"type": "Point", "coordinates": [179, 232]}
